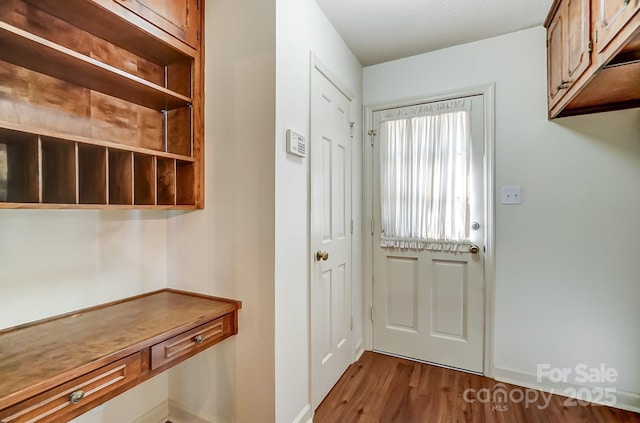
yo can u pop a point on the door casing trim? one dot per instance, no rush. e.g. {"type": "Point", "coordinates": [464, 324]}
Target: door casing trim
{"type": "Point", "coordinates": [488, 94]}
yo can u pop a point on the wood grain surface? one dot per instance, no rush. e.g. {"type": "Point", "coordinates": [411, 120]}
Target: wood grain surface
{"type": "Point", "coordinates": [39, 356]}
{"type": "Point", "coordinates": [383, 389]}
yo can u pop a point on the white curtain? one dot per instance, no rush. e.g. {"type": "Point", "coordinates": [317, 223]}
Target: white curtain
{"type": "Point", "coordinates": [424, 176]}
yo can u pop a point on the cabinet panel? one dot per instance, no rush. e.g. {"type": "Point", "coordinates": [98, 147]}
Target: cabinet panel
{"type": "Point", "coordinates": [612, 17]}
{"type": "Point", "coordinates": [555, 60]}
{"type": "Point", "coordinates": [578, 21]}
{"type": "Point", "coordinates": [178, 18]}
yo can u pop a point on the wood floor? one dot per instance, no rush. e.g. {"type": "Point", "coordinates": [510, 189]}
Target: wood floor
{"type": "Point", "coordinates": [385, 389]}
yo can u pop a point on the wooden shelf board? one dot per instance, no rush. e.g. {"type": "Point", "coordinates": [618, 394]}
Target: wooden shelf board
{"type": "Point", "coordinates": [34, 206]}
{"type": "Point", "coordinates": [36, 356]}
{"type": "Point", "coordinates": [91, 141]}
{"type": "Point", "coordinates": [38, 54]}
{"type": "Point", "coordinates": [113, 23]}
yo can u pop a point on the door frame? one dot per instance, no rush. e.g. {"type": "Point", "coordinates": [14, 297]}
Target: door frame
{"type": "Point", "coordinates": [488, 93]}
{"type": "Point", "coordinates": [316, 65]}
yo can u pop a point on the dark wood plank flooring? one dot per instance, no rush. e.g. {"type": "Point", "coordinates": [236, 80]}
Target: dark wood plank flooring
{"type": "Point", "coordinates": [383, 389]}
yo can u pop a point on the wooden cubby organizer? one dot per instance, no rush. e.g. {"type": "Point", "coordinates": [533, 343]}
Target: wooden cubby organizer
{"type": "Point", "coordinates": [100, 108]}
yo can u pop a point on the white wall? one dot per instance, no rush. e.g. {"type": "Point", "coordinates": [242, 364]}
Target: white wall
{"type": "Point", "coordinates": [57, 261]}
{"type": "Point", "coordinates": [227, 249]}
{"type": "Point", "coordinates": [302, 28]}
{"type": "Point", "coordinates": [567, 267]}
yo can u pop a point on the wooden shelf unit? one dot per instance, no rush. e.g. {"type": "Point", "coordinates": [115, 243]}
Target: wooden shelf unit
{"type": "Point", "coordinates": [87, 83]}
{"type": "Point", "coordinates": [122, 344]}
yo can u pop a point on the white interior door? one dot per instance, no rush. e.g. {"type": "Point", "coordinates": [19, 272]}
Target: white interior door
{"type": "Point", "coordinates": [430, 305]}
{"type": "Point", "coordinates": [330, 238]}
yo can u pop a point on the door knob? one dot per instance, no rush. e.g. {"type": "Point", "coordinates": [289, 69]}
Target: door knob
{"type": "Point", "coordinates": [322, 255]}
{"type": "Point", "coordinates": [474, 249]}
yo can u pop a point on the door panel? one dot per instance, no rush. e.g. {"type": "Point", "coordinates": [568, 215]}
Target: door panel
{"type": "Point", "coordinates": [578, 25]}
{"type": "Point", "coordinates": [402, 292]}
{"type": "Point", "coordinates": [555, 59]}
{"type": "Point", "coordinates": [429, 305]}
{"type": "Point", "coordinates": [612, 17]}
{"type": "Point", "coordinates": [330, 163]}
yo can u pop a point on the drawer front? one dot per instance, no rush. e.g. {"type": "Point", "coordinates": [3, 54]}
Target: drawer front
{"type": "Point", "coordinates": [92, 387]}
{"type": "Point", "coordinates": [189, 343]}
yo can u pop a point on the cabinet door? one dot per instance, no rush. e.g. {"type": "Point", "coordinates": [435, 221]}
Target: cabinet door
{"type": "Point", "coordinates": [612, 17]}
{"type": "Point", "coordinates": [578, 40]}
{"type": "Point", "coordinates": [556, 59]}
{"type": "Point", "coordinates": [179, 18]}
{"type": "Point", "coordinates": [569, 47]}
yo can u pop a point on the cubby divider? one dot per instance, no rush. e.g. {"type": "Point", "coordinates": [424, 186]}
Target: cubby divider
{"type": "Point", "coordinates": [58, 171]}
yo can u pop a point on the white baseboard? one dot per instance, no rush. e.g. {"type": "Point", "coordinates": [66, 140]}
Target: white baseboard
{"type": "Point", "coordinates": [178, 413]}
{"type": "Point", "coordinates": [157, 414]}
{"type": "Point", "coordinates": [304, 416]}
{"type": "Point", "coordinates": [623, 399]}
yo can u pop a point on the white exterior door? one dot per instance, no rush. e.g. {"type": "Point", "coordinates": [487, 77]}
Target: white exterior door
{"type": "Point", "coordinates": [330, 238]}
{"type": "Point", "coordinates": [430, 305]}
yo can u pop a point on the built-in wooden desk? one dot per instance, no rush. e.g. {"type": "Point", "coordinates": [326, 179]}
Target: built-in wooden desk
{"type": "Point", "coordinates": [58, 368]}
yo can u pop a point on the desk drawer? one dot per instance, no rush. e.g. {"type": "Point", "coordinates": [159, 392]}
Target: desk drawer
{"type": "Point", "coordinates": [91, 388]}
{"type": "Point", "coordinates": [191, 342]}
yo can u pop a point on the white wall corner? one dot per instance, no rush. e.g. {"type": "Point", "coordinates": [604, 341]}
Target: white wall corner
{"type": "Point", "coordinates": [304, 416]}
{"type": "Point", "coordinates": [359, 349]}
{"type": "Point", "coordinates": [157, 414]}
{"type": "Point", "coordinates": [623, 399]}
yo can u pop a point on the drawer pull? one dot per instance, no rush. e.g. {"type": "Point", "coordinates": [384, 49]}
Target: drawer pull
{"type": "Point", "coordinates": [198, 339]}
{"type": "Point", "coordinates": [76, 396]}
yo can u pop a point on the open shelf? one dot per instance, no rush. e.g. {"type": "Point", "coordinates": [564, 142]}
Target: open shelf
{"type": "Point", "coordinates": [144, 179]}
{"type": "Point", "coordinates": [101, 107]}
{"type": "Point", "coordinates": [92, 174]}
{"type": "Point", "coordinates": [19, 173]}
{"type": "Point", "coordinates": [58, 171]}
{"type": "Point", "coordinates": [166, 183]}
{"type": "Point", "coordinates": [38, 54]}
{"type": "Point", "coordinates": [120, 177]}
{"type": "Point", "coordinates": [185, 183]}
{"type": "Point", "coordinates": [106, 24]}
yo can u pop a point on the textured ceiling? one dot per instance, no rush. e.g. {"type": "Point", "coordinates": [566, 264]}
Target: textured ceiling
{"type": "Point", "coordinates": [382, 30]}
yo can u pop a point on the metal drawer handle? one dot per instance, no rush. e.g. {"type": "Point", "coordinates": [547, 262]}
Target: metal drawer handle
{"type": "Point", "coordinates": [76, 396]}
{"type": "Point", "coordinates": [198, 339]}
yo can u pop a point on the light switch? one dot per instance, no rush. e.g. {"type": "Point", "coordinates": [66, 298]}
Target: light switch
{"type": "Point", "coordinates": [512, 194]}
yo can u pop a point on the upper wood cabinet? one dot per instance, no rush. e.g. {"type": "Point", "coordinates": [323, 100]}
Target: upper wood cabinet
{"type": "Point", "coordinates": [100, 107]}
{"type": "Point", "coordinates": [593, 47]}
{"type": "Point", "coordinates": [178, 18]}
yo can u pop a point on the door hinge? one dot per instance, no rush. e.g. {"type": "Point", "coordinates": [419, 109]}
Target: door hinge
{"type": "Point", "coordinates": [351, 226]}
{"type": "Point", "coordinates": [371, 226]}
{"type": "Point", "coordinates": [372, 133]}
{"type": "Point", "coordinates": [596, 37]}
{"type": "Point", "coordinates": [351, 322]}
{"type": "Point", "coordinates": [590, 46]}
{"type": "Point", "coordinates": [198, 35]}
{"type": "Point", "coordinates": [198, 4]}
{"type": "Point", "coordinates": [371, 313]}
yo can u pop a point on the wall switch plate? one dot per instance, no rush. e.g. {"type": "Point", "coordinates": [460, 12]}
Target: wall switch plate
{"type": "Point", "coordinates": [512, 194]}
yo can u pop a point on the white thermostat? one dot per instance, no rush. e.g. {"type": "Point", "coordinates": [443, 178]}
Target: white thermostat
{"type": "Point", "coordinates": [296, 144]}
